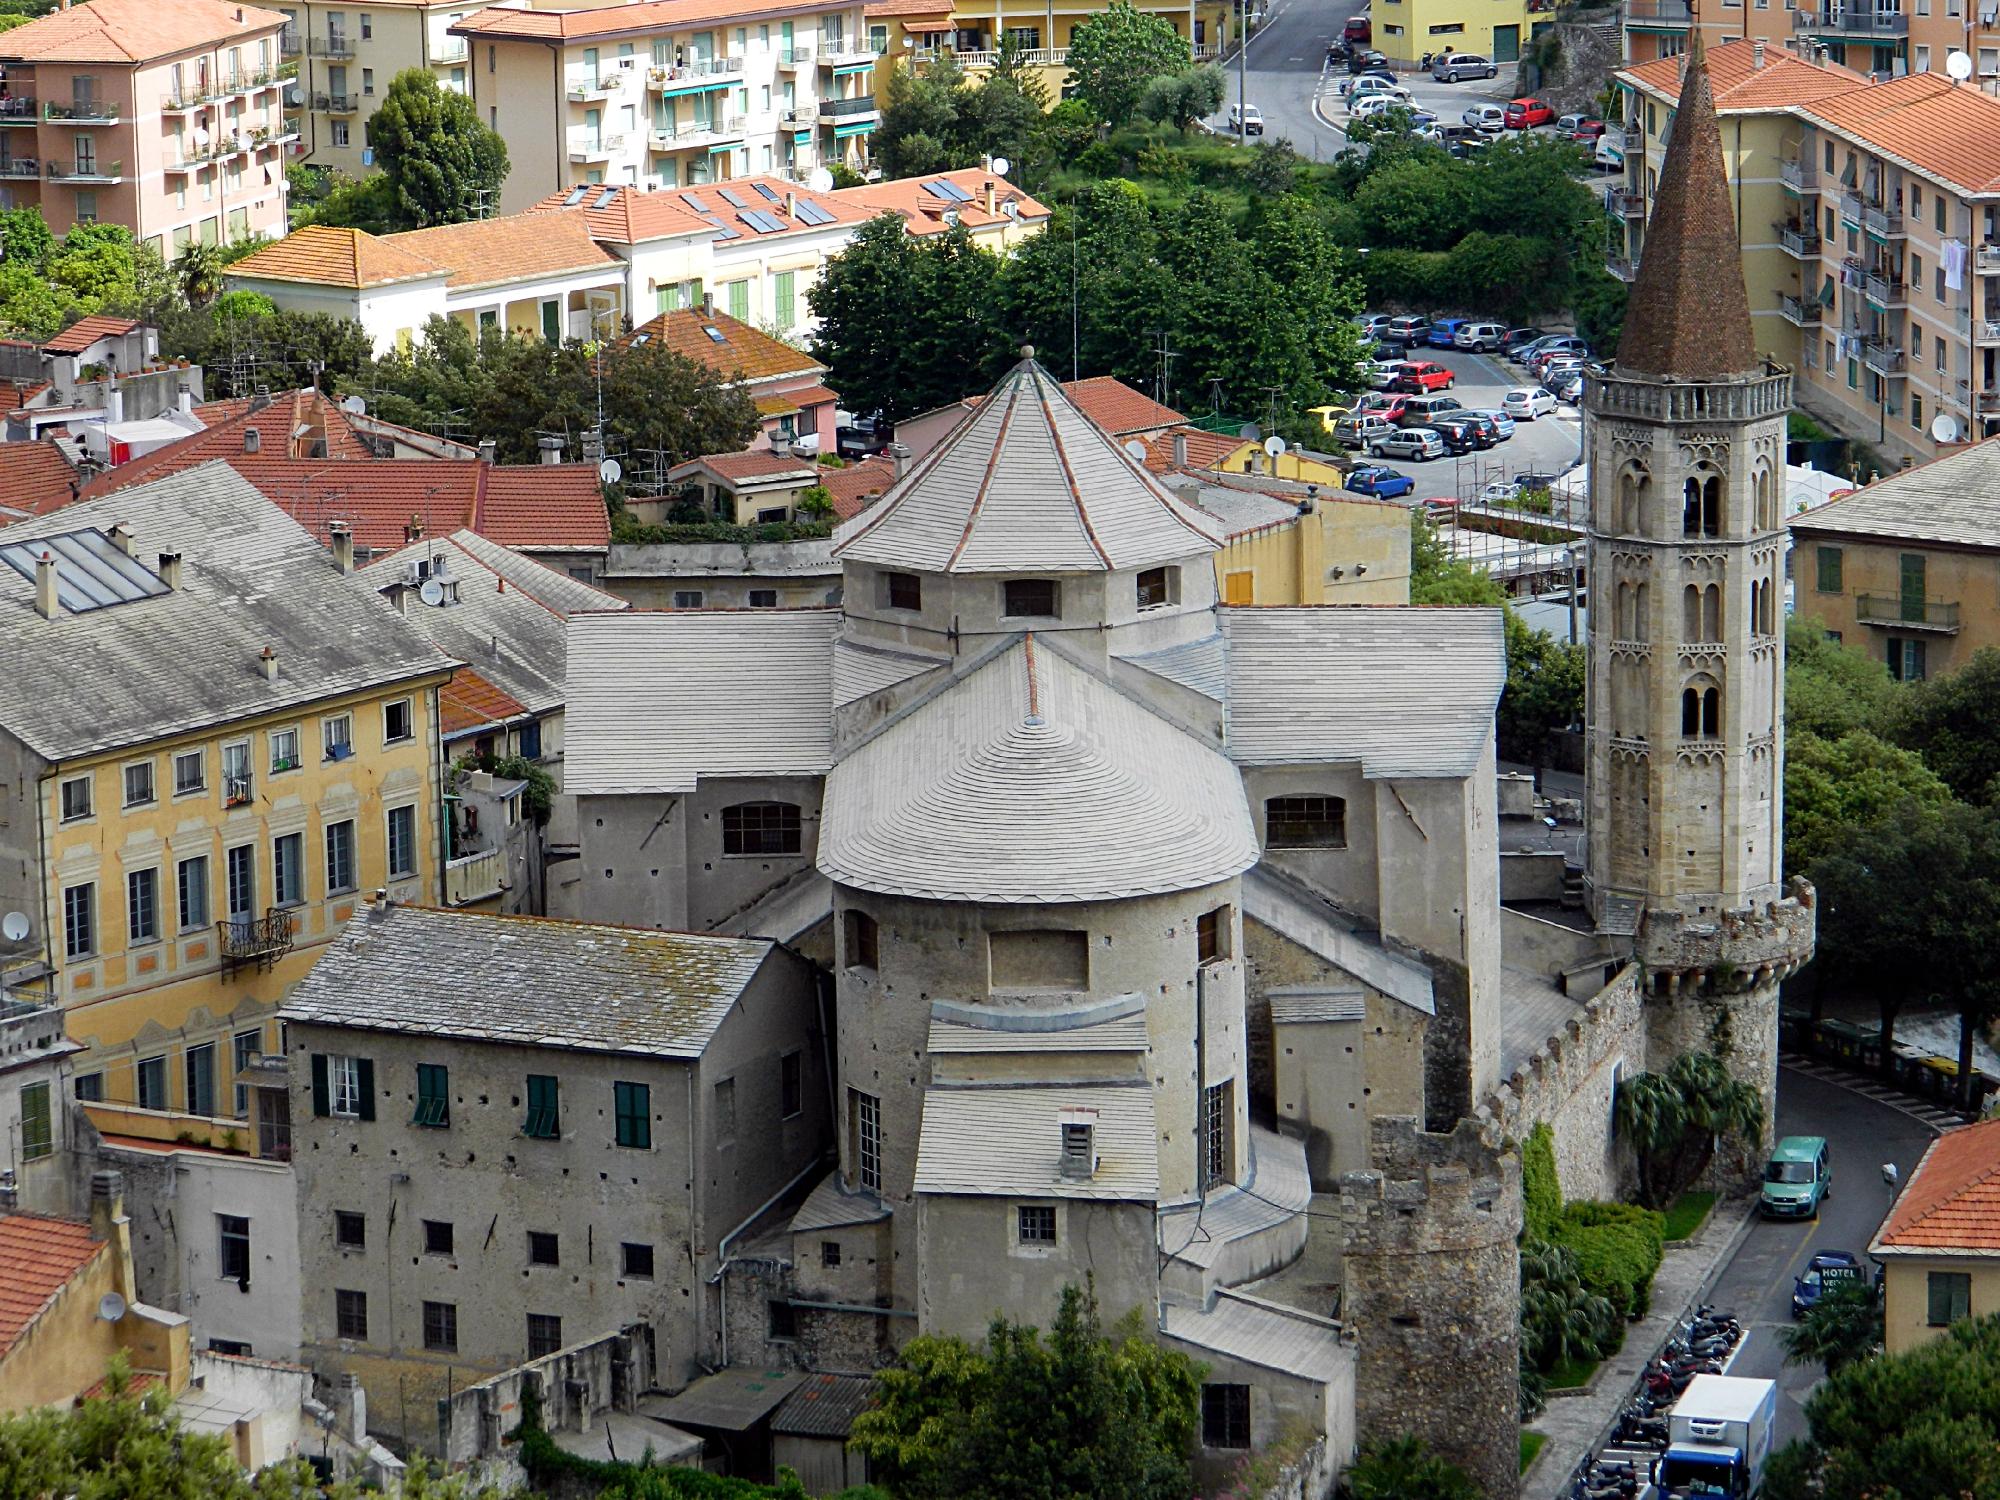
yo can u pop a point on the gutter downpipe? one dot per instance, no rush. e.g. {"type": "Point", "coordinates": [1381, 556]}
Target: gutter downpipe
{"type": "Point", "coordinates": [722, 1250]}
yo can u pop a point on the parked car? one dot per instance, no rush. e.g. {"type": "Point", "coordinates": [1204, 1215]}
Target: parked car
{"type": "Point", "coordinates": [1372, 324]}
{"type": "Point", "coordinates": [1419, 410]}
{"type": "Point", "coordinates": [1796, 1177]}
{"type": "Point", "coordinates": [1827, 1268]}
{"type": "Point", "coordinates": [1562, 343]}
{"type": "Point", "coordinates": [1444, 332]}
{"type": "Point", "coordinates": [1359, 429]}
{"type": "Point", "coordinates": [1363, 58]}
{"type": "Point", "coordinates": [1572, 391]}
{"type": "Point", "coordinates": [1479, 429]}
{"type": "Point", "coordinates": [1329, 414]}
{"type": "Point", "coordinates": [1420, 376]}
{"type": "Point", "coordinates": [1418, 443]}
{"type": "Point", "coordinates": [1526, 114]}
{"type": "Point", "coordinates": [1579, 127]}
{"type": "Point", "coordinates": [1524, 353]}
{"type": "Point", "coordinates": [1457, 435]}
{"type": "Point", "coordinates": [865, 436]}
{"type": "Point", "coordinates": [1356, 31]}
{"type": "Point", "coordinates": [1383, 404]}
{"type": "Point", "coordinates": [1449, 67]}
{"type": "Point", "coordinates": [1383, 484]}
{"type": "Point", "coordinates": [1503, 424]}
{"type": "Point", "coordinates": [1374, 78]}
{"type": "Point", "coordinates": [1246, 117]}
{"type": "Point", "coordinates": [1490, 119]}
{"type": "Point", "coordinates": [1381, 101]}
{"type": "Point", "coordinates": [1514, 338]}
{"type": "Point", "coordinates": [1478, 337]}
{"type": "Point", "coordinates": [1408, 330]}
{"type": "Point", "coordinates": [1559, 373]}
{"type": "Point", "coordinates": [1383, 372]}
{"type": "Point", "coordinates": [1526, 402]}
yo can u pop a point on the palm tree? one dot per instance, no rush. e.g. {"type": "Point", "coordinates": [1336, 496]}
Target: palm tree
{"type": "Point", "coordinates": [1674, 1120]}
{"type": "Point", "coordinates": [1560, 1319]}
{"type": "Point", "coordinates": [198, 269]}
{"type": "Point", "coordinates": [1843, 1326]}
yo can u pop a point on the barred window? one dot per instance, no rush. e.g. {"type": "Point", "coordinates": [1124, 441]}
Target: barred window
{"type": "Point", "coordinates": [1305, 823]}
{"type": "Point", "coordinates": [761, 828]}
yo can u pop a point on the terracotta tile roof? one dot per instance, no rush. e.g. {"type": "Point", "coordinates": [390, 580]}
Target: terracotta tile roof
{"type": "Point", "coordinates": [761, 464]}
{"type": "Point", "coordinates": [1689, 316]}
{"type": "Point", "coordinates": [736, 349]}
{"type": "Point", "coordinates": [1204, 449]}
{"type": "Point", "coordinates": [1740, 85]}
{"type": "Point", "coordinates": [898, 8]}
{"type": "Point", "coordinates": [1922, 120]}
{"type": "Point", "coordinates": [140, 1382]}
{"type": "Point", "coordinates": [623, 215]}
{"type": "Point", "coordinates": [16, 394]}
{"type": "Point", "coordinates": [277, 426]}
{"type": "Point", "coordinates": [34, 478]}
{"type": "Point", "coordinates": [1118, 408]}
{"type": "Point", "coordinates": [469, 702]}
{"type": "Point", "coordinates": [924, 211]}
{"type": "Point", "coordinates": [522, 505]}
{"type": "Point", "coordinates": [859, 485]}
{"type": "Point", "coordinates": [1952, 1200]}
{"type": "Point", "coordinates": [544, 505]}
{"type": "Point", "coordinates": [38, 1258]}
{"type": "Point", "coordinates": [126, 31]}
{"type": "Point", "coordinates": [324, 256]}
{"type": "Point", "coordinates": [80, 335]}
{"type": "Point", "coordinates": [488, 251]}
{"type": "Point", "coordinates": [502, 22]}
{"type": "Point", "coordinates": [799, 398]}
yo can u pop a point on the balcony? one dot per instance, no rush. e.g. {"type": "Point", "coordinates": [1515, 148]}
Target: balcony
{"type": "Point", "coordinates": [1625, 203]}
{"type": "Point", "coordinates": [90, 171]}
{"type": "Point", "coordinates": [82, 112]}
{"type": "Point", "coordinates": [1986, 330]}
{"type": "Point", "coordinates": [1803, 243]}
{"type": "Point", "coordinates": [336, 104]}
{"type": "Point", "coordinates": [587, 148]}
{"type": "Point", "coordinates": [798, 55]}
{"type": "Point", "coordinates": [799, 116]}
{"type": "Point", "coordinates": [709, 72]}
{"type": "Point", "coordinates": [1878, 219]}
{"type": "Point", "coordinates": [185, 101]}
{"type": "Point", "coordinates": [693, 133]}
{"type": "Point", "coordinates": [1884, 359]}
{"type": "Point", "coordinates": [288, 41]}
{"type": "Point", "coordinates": [1907, 614]}
{"type": "Point", "coordinates": [451, 51]}
{"type": "Point", "coordinates": [583, 86]}
{"type": "Point", "coordinates": [1034, 57]}
{"type": "Point", "coordinates": [329, 46]}
{"type": "Point", "coordinates": [844, 54]}
{"type": "Point", "coordinates": [254, 941]}
{"type": "Point", "coordinates": [19, 110]}
{"type": "Point", "coordinates": [20, 166]}
{"type": "Point", "coordinates": [472, 877]}
{"type": "Point", "coordinates": [274, 135]}
{"type": "Point", "coordinates": [1883, 291]}
{"type": "Point", "coordinates": [1802, 312]}
{"type": "Point", "coordinates": [849, 109]}
{"type": "Point", "coordinates": [1625, 268]}
{"type": "Point", "coordinates": [1887, 25]}
{"type": "Point", "coordinates": [1659, 15]}
{"type": "Point", "coordinates": [1799, 176]}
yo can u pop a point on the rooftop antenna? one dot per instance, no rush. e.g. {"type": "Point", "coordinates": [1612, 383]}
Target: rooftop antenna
{"type": "Point", "coordinates": [1167, 356]}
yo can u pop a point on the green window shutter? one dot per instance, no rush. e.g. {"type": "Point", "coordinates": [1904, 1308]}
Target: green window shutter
{"type": "Point", "coordinates": [433, 1095]}
{"type": "Point", "coordinates": [364, 1069]}
{"type": "Point", "coordinates": [739, 300]}
{"type": "Point", "coordinates": [632, 1104]}
{"type": "Point", "coordinates": [552, 322]}
{"type": "Point", "coordinates": [544, 1120]}
{"type": "Point", "coordinates": [1829, 570]}
{"type": "Point", "coordinates": [37, 1127]}
{"type": "Point", "coordinates": [322, 1095]}
{"type": "Point", "coordinates": [782, 313]}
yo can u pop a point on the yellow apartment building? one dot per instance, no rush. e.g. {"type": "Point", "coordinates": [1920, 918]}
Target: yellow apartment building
{"type": "Point", "coordinates": [1940, 1246]}
{"type": "Point", "coordinates": [925, 31]}
{"type": "Point", "coordinates": [1406, 29]}
{"type": "Point", "coordinates": [225, 745]}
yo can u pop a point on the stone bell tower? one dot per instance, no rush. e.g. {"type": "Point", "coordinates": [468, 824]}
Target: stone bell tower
{"type": "Point", "coordinates": [1687, 650]}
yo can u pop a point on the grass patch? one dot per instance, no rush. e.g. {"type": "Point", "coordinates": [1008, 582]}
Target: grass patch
{"type": "Point", "coordinates": [1687, 1213]}
{"type": "Point", "coordinates": [1531, 1444]}
{"type": "Point", "coordinates": [1570, 1374]}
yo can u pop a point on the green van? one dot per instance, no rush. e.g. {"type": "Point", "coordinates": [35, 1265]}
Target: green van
{"type": "Point", "coordinates": [1796, 1178]}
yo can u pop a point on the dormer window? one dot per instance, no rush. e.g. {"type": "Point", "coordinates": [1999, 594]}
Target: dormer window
{"type": "Point", "coordinates": [1159, 587]}
{"type": "Point", "coordinates": [1032, 598]}
{"type": "Point", "coordinates": [1079, 1143]}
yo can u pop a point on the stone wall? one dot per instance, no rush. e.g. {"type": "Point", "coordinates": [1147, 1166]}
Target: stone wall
{"type": "Point", "coordinates": [1741, 1027]}
{"type": "Point", "coordinates": [573, 1386]}
{"type": "Point", "coordinates": [1310, 1476]}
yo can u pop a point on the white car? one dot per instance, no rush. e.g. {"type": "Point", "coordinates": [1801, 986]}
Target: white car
{"type": "Point", "coordinates": [1370, 105]}
{"type": "Point", "coordinates": [1525, 403]}
{"type": "Point", "coordinates": [1249, 117]}
{"type": "Point", "coordinates": [1382, 372]}
{"type": "Point", "coordinates": [1489, 118]}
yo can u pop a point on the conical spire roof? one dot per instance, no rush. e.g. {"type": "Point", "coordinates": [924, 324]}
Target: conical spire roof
{"type": "Point", "coordinates": [1688, 317]}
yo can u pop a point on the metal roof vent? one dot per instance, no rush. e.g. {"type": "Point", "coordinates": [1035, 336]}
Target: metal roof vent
{"type": "Point", "coordinates": [1079, 1143]}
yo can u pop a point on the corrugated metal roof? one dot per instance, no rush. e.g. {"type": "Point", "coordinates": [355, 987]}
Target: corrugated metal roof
{"type": "Point", "coordinates": [1027, 483]}
{"type": "Point", "coordinates": [1201, 666]}
{"type": "Point", "coordinates": [829, 1206]}
{"type": "Point", "coordinates": [825, 1406]}
{"type": "Point", "coordinates": [1953, 500]}
{"type": "Point", "coordinates": [530, 981]}
{"type": "Point", "coordinates": [1032, 780]}
{"type": "Point", "coordinates": [655, 699]}
{"type": "Point", "coordinates": [1404, 692]}
{"type": "Point", "coordinates": [1295, 1004]}
{"type": "Point", "coordinates": [1008, 1142]}
{"type": "Point", "coordinates": [1126, 1034]}
{"type": "Point", "coordinates": [1262, 1333]}
{"type": "Point", "coordinates": [860, 669]}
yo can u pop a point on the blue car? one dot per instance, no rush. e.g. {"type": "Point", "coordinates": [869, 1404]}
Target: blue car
{"type": "Point", "coordinates": [1826, 1268]}
{"type": "Point", "coordinates": [1383, 484]}
{"type": "Point", "coordinates": [1443, 330]}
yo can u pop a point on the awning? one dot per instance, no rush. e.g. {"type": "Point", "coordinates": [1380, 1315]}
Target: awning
{"type": "Point", "coordinates": [729, 1400]}
{"type": "Point", "coordinates": [699, 85]}
{"type": "Point", "coordinates": [789, 403]}
{"type": "Point", "coordinates": [802, 137]}
{"type": "Point", "coordinates": [848, 70]}
{"type": "Point", "coordinates": [859, 127]}
{"type": "Point", "coordinates": [725, 148]}
{"type": "Point", "coordinates": [913, 25]}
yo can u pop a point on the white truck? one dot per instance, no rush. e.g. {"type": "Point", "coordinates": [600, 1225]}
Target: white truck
{"type": "Point", "coordinates": [1718, 1437]}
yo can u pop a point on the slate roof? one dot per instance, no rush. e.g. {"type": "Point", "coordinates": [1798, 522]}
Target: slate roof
{"type": "Point", "coordinates": [188, 658]}
{"type": "Point", "coordinates": [1007, 1142]}
{"type": "Point", "coordinates": [657, 698]}
{"type": "Point", "coordinates": [1027, 483]}
{"type": "Point", "coordinates": [1953, 501]}
{"type": "Point", "coordinates": [1951, 1204]}
{"type": "Point", "coordinates": [529, 981]}
{"type": "Point", "coordinates": [824, 1406]}
{"type": "Point", "coordinates": [1032, 780]}
{"type": "Point", "coordinates": [1261, 1333]}
{"type": "Point", "coordinates": [1403, 692]}
{"type": "Point", "coordinates": [861, 668]}
{"type": "Point", "coordinates": [321, 255]}
{"type": "Point", "coordinates": [39, 1256]}
{"type": "Point", "coordinates": [129, 31]}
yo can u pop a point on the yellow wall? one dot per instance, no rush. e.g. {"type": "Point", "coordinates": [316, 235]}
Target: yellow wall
{"type": "Point", "coordinates": [1406, 29]}
{"type": "Point", "coordinates": [1969, 580]}
{"type": "Point", "coordinates": [131, 1001]}
{"type": "Point", "coordinates": [1293, 563]}
{"type": "Point", "coordinates": [1906, 1296]}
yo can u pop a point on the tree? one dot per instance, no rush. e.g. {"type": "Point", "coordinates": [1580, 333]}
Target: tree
{"type": "Point", "coordinates": [1404, 1469]}
{"type": "Point", "coordinates": [1116, 53]}
{"type": "Point", "coordinates": [1949, 721]}
{"type": "Point", "coordinates": [1561, 1318]}
{"type": "Point", "coordinates": [442, 164]}
{"type": "Point", "coordinates": [1835, 788]}
{"type": "Point", "coordinates": [1830, 690]}
{"type": "Point", "coordinates": [1842, 1326]}
{"type": "Point", "coordinates": [25, 238]}
{"type": "Point", "coordinates": [198, 269]}
{"type": "Point", "coordinates": [1180, 99]}
{"type": "Point", "coordinates": [1675, 1119]}
{"type": "Point", "coordinates": [920, 120]}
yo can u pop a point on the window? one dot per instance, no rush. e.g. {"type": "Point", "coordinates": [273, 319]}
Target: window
{"type": "Point", "coordinates": [367, 80]}
{"type": "Point", "coordinates": [142, 905]}
{"type": "Point", "coordinates": [863, 940]}
{"type": "Point", "coordinates": [1212, 933]}
{"type": "Point", "coordinates": [764, 598]}
{"type": "Point", "coordinates": [284, 750]}
{"type": "Point", "coordinates": [441, 1327]}
{"type": "Point", "coordinates": [544, 1248]}
{"type": "Point", "coordinates": [402, 842]}
{"type": "Point", "coordinates": [245, 1048]}
{"type": "Point", "coordinates": [784, 1322]}
{"type": "Point", "coordinates": [437, 1236]}
{"type": "Point", "coordinates": [1239, 588]}
{"type": "Point", "coordinates": [687, 598]}
{"type": "Point", "coordinates": [232, 1236]}
{"type": "Point", "coordinates": [1701, 710]}
{"type": "Point", "coordinates": [1035, 1224]}
{"type": "Point", "coordinates": [1039, 959]}
{"type": "Point", "coordinates": [739, 291]}
{"type": "Point", "coordinates": [350, 1229]}
{"type": "Point", "coordinates": [288, 879]}
{"type": "Point", "coordinates": [1225, 1416]}
{"type": "Point", "coordinates": [725, 1112]}
{"type": "Point", "coordinates": [396, 721]}
{"type": "Point", "coordinates": [38, 1126]}
{"type": "Point", "coordinates": [339, 133]}
{"type": "Point", "coordinates": [350, 1314]}
{"type": "Point", "coordinates": [864, 1124]}
{"type": "Point", "coordinates": [1158, 587]}
{"type": "Point", "coordinates": [90, 1086]}
{"type": "Point", "coordinates": [1828, 560]}
{"type": "Point", "coordinates": [1950, 1297]}
{"type": "Point", "coordinates": [76, 800]}
{"type": "Point", "coordinates": [1906, 659]}
{"type": "Point", "coordinates": [336, 736]}
{"type": "Point", "coordinates": [544, 1120]}
{"type": "Point", "coordinates": [198, 1064]}
{"type": "Point", "coordinates": [236, 774]}
{"type": "Point", "coordinates": [343, 1087]}
{"type": "Point", "coordinates": [1218, 1123]}
{"type": "Point", "coordinates": [791, 1084]}
{"type": "Point", "coordinates": [190, 773]}
{"type": "Point", "coordinates": [1030, 597]}
{"type": "Point", "coordinates": [902, 591]}
{"type": "Point", "coordinates": [1313, 822]}
{"type": "Point", "coordinates": [340, 856]}
{"type": "Point", "coordinates": [367, 25]}
{"type": "Point", "coordinates": [544, 1335]}
{"type": "Point", "coordinates": [637, 1260]}
{"type": "Point", "coordinates": [784, 301]}
{"type": "Point", "coordinates": [240, 875]}
{"type": "Point", "coordinates": [632, 1111]}
{"type": "Point", "coordinates": [433, 1096]}
{"type": "Point", "coordinates": [761, 828]}
{"type": "Point", "coordinates": [1701, 506]}
{"type": "Point", "coordinates": [152, 1083]}
{"type": "Point", "coordinates": [79, 922]}
{"type": "Point", "coordinates": [829, 1253]}
{"type": "Point", "coordinates": [139, 784]}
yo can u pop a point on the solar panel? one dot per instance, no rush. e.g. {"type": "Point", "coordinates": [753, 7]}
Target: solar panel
{"type": "Point", "coordinates": [694, 203]}
{"type": "Point", "coordinates": [727, 232]}
{"type": "Point", "coordinates": [768, 191]}
{"type": "Point", "coordinates": [762, 222]}
{"type": "Point", "coordinates": [576, 196]}
{"type": "Point", "coordinates": [605, 198]}
{"type": "Point", "coordinates": [730, 196]}
{"type": "Point", "coordinates": [812, 213]}
{"type": "Point", "coordinates": [951, 192]}
{"type": "Point", "coordinates": [91, 572]}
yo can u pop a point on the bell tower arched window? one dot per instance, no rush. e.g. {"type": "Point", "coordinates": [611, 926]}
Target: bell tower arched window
{"type": "Point", "coordinates": [1701, 709]}
{"type": "Point", "coordinates": [1701, 504]}
{"type": "Point", "coordinates": [1633, 485]}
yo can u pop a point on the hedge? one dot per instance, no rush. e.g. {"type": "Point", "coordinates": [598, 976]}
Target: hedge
{"type": "Point", "coordinates": [1541, 1189]}
{"type": "Point", "coordinates": [1617, 1248]}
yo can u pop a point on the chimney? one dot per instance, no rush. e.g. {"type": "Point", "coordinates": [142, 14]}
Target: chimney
{"type": "Point", "coordinates": [114, 404]}
{"type": "Point", "coordinates": [109, 1224]}
{"type": "Point", "coordinates": [400, 595]}
{"type": "Point", "coordinates": [1180, 450]}
{"type": "Point", "coordinates": [379, 904]}
{"type": "Point", "coordinates": [45, 585]}
{"type": "Point", "coordinates": [489, 450]}
{"type": "Point", "coordinates": [1757, 53]}
{"type": "Point", "coordinates": [708, 304]}
{"type": "Point", "coordinates": [185, 402]}
{"type": "Point", "coordinates": [342, 539]}
{"type": "Point", "coordinates": [269, 657]}
{"type": "Point", "coordinates": [121, 538]}
{"type": "Point", "coordinates": [551, 449]}
{"type": "Point", "coordinates": [791, 205]}
{"type": "Point", "coordinates": [170, 570]}
{"type": "Point", "coordinates": [899, 454]}
{"type": "Point", "coordinates": [261, 399]}
{"type": "Point", "coordinates": [10, 1195]}
{"type": "Point", "coordinates": [253, 440]}
{"type": "Point", "coordinates": [992, 198]}
{"type": "Point", "coordinates": [413, 531]}
{"type": "Point", "coordinates": [350, 1407]}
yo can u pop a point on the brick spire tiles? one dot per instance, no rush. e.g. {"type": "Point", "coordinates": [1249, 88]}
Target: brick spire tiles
{"type": "Point", "coordinates": [1689, 317]}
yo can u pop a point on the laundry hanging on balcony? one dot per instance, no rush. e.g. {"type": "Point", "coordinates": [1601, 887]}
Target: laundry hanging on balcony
{"type": "Point", "coordinates": [1954, 265]}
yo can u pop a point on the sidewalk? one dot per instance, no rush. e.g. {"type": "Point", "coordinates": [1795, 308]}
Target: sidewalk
{"type": "Point", "coordinates": [1578, 1424]}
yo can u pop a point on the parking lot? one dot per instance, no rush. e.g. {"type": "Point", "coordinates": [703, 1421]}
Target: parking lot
{"type": "Point", "coordinates": [1448, 101]}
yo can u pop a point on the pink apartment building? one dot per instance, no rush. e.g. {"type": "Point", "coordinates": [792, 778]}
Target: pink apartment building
{"type": "Point", "coordinates": [166, 116]}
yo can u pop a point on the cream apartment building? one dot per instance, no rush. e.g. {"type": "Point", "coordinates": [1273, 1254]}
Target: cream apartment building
{"type": "Point", "coordinates": [166, 116]}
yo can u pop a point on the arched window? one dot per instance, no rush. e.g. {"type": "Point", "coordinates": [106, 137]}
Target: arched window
{"type": "Point", "coordinates": [1633, 483]}
{"type": "Point", "coordinates": [1305, 823]}
{"type": "Point", "coordinates": [1690, 713]}
{"type": "Point", "coordinates": [1701, 709]}
{"type": "Point", "coordinates": [1691, 614]}
{"type": "Point", "coordinates": [1768, 619]}
{"type": "Point", "coordinates": [1711, 612]}
{"type": "Point", "coordinates": [761, 828]}
{"type": "Point", "coordinates": [1701, 505]}
{"type": "Point", "coordinates": [1767, 507]}
{"type": "Point", "coordinates": [1711, 713]}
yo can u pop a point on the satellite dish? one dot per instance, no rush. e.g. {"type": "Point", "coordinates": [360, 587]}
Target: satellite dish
{"type": "Point", "coordinates": [354, 404]}
{"type": "Point", "coordinates": [1274, 445]}
{"type": "Point", "coordinates": [432, 593]}
{"type": "Point", "coordinates": [1250, 432]}
{"type": "Point", "coordinates": [1001, 166]}
{"type": "Point", "coordinates": [201, 135]}
{"type": "Point", "coordinates": [610, 471]}
{"type": "Point", "coordinates": [1944, 426]}
{"type": "Point", "coordinates": [1958, 66]}
{"type": "Point", "coordinates": [14, 926]}
{"type": "Point", "coordinates": [1136, 451]}
{"type": "Point", "coordinates": [820, 180]}
{"type": "Point", "coordinates": [111, 1307]}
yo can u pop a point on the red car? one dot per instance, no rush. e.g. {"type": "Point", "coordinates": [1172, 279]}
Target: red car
{"type": "Point", "coordinates": [1525, 114]}
{"type": "Point", "coordinates": [1382, 404]}
{"type": "Point", "coordinates": [1356, 30]}
{"type": "Point", "coordinates": [1423, 377]}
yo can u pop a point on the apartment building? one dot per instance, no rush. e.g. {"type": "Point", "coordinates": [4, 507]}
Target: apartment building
{"type": "Point", "coordinates": [1869, 216]}
{"type": "Point", "coordinates": [925, 31]}
{"type": "Point", "coordinates": [1406, 29]}
{"type": "Point", "coordinates": [243, 741]}
{"type": "Point", "coordinates": [166, 116]}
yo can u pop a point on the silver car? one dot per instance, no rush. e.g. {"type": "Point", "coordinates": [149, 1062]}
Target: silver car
{"type": "Point", "coordinates": [1410, 442]}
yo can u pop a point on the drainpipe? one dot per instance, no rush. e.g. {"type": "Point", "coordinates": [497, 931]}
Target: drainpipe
{"type": "Point", "coordinates": [719, 1278]}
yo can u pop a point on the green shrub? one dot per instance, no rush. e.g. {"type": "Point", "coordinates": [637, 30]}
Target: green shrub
{"type": "Point", "coordinates": [1541, 1190]}
{"type": "Point", "coordinates": [1617, 1247]}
